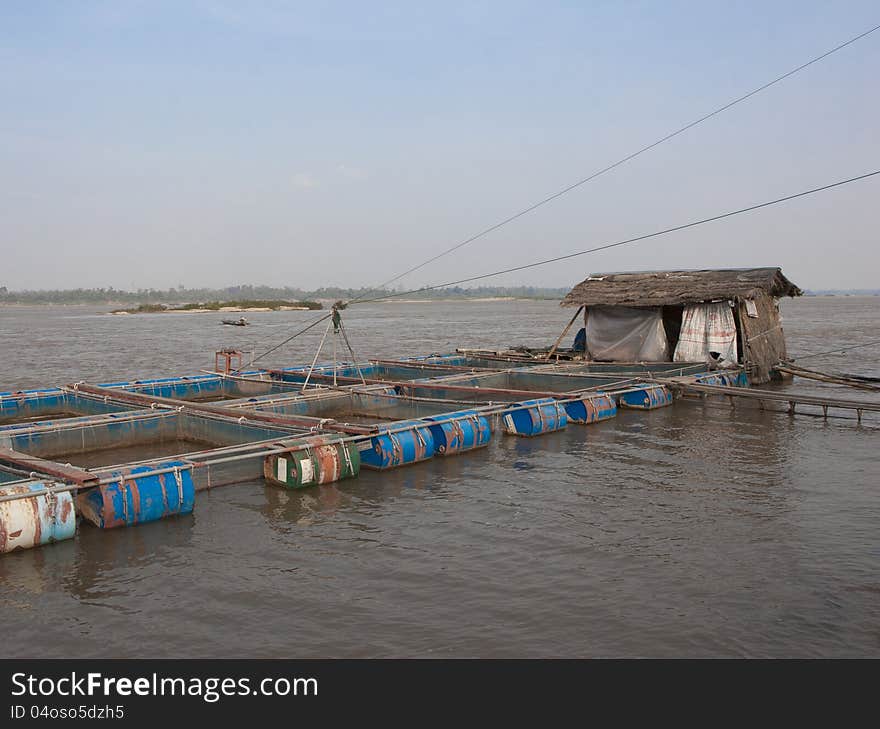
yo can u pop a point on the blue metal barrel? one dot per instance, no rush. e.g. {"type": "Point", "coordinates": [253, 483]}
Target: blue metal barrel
{"type": "Point", "coordinates": [535, 417]}
{"type": "Point", "coordinates": [725, 379]}
{"type": "Point", "coordinates": [139, 496]}
{"type": "Point", "coordinates": [35, 520]}
{"type": "Point", "coordinates": [591, 409]}
{"type": "Point", "coordinates": [388, 450]}
{"type": "Point", "coordinates": [648, 397]}
{"type": "Point", "coordinates": [463, 431]}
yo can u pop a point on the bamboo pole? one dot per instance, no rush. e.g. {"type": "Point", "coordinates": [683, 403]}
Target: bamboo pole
{"type": "Point", "coordinates": [564, 332]}
{"type": "Point", "coordinates": [825, 377]}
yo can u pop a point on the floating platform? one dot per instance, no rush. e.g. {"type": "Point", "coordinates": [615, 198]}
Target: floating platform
{"type": "Point", "coordinates": [119, 454]}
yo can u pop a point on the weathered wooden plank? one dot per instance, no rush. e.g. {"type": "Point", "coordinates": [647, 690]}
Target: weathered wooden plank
{"type": "Point", "coordinates": [289, 421]}
{"type": "Point", "coordinates": [66, 472]}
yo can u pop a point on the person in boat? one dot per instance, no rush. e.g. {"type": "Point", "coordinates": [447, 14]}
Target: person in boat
{"type": "Point", "coordinates": [580, 341]}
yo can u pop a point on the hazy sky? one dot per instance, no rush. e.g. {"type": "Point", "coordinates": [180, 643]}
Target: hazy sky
{"type": "Point", "coordinates": [214, 142]}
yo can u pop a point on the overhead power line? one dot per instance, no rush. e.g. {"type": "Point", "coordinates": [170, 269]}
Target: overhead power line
{"type": "Point", "coordinates": [629, 157]}
{"type": "Point", "coordinates": [835, 351]}
{"type": "Point", "coordinates": [593, 176]}
{"type": "Point", "coordinates": [603, 247]}
{"type": "Point", "coordinates": [293, 336]}
{"type": "Point", "coordinates": [606, 246]}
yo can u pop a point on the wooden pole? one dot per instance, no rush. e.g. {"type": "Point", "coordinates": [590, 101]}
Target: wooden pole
{"type": "Point", "coordinates": [564, 332]}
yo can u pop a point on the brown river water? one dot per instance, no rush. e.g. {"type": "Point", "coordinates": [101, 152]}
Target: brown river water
{"type": "Point", "coordinates": [694, 530]}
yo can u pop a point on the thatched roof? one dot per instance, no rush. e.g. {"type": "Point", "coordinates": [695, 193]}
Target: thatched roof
{"type": "Point", "coordinates": [665, 288]}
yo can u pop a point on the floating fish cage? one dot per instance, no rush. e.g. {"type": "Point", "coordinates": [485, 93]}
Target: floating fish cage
{"type": "Point", "coordinates": [124, 453]}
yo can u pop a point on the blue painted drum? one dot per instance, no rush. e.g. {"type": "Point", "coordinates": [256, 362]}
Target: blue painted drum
{"type": "Point", "coordinates": [724, 379]}
{"type": "Point", "coordinates": [35, 520]}
{"type": "Point", "coordinates": [591, 409]}
{"type": "Point", "coordinates": [461, 431]}
{"type": "Point", "coordinates": [648, 397]}
{"type": "Point", "coordinates": [139, 496]}
{"type": "Point", "coordinates": [535, 417]}
{"type": "Point", "coordinates": [399, 448]}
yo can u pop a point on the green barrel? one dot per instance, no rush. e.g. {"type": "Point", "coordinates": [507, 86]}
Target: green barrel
{"type": "Point", "coordinates": [321, 463]}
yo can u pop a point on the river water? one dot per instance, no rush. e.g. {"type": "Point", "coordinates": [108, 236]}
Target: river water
{"type": "Point", "coordinates": [694, 530]}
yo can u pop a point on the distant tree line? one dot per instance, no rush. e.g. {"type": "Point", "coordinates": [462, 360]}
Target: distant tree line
{"type": "Point", "coordinates": [181, 295]}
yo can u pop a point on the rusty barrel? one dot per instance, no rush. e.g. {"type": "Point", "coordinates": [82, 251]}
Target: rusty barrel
{"type": "Point", "coordinates": [325, 462]}
{"type": "Point", "coordinates": [535, 417]}
{"type": "Point", "coordinates": [460, 431]}
{"type": "Point", "coordinates": [591, 409]}
{"type": "Point", "coordinates": [35, 520]}
{"type": "Point", "coordinates": [648, 397]}
{"type": "Point", "coordinates": [404, 446]}
{"type": "Point", "coordinates": [724, 379]}
{"type": "Point", "coordinates": [139, 496]}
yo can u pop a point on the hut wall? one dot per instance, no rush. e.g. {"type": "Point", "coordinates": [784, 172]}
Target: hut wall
{"type": "Point", "coordinates": [763, 338]}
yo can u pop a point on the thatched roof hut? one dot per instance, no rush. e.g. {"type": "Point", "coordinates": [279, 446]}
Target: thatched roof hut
{"type": "Point", "coordinates": [669, 288]}
{"type": "Point", "coordinates": [727, 315]}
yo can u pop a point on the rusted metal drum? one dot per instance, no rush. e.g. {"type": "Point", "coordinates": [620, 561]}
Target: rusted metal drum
{"type": "Point", "coordinates": [399, 448]}
{"type": "Point", "coordinates": [317, 465]}
{"type": "Point", "coordinates": [535, 417]}
{"type": "Point", "coordinates": [648, 397]}
{"type": "Point", "coordinates": [35, 520]}
{"type": "Point", "coordinates": [139, 496]}
{"type": "Point", "coordinates": [461, 431]}
{"type": "Point", "coordinates": [591, 409]}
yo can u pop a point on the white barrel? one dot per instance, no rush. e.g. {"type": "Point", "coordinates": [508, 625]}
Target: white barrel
{"type": "Point", "coordinates": [34, 520]}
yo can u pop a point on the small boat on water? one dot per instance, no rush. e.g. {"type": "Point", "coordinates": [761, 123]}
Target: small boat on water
{"type": "Point", "coordinates": [242, 322]}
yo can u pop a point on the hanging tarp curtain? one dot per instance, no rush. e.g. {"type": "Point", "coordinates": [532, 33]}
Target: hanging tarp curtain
{"type": "Point", "coordinates": [626, 334]}
{"type": "Point", "coordinates": [707, 328]}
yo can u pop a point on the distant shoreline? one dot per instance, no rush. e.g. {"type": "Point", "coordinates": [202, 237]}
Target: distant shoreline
{"type": "Point", "coordinates": [251, 294]}
{"type": "Point", "coordinates": [227, 306]}
{"type": "Point", "coordinates": [328, 303]}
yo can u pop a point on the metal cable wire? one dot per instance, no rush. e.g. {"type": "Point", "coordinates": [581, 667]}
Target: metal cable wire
{"type": "Point", "coordinates": [293, 336]}
{"type": "Point", "coordinates": [629, 157]}
{"type": "Point", "coordinates": [833, 351]}
{"type": "Point", "coordinates": [603, 247]}
{"type": "Point", "coordinates": [606, 246]}
{"type": "Point", "coordinates": [579, 183]}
